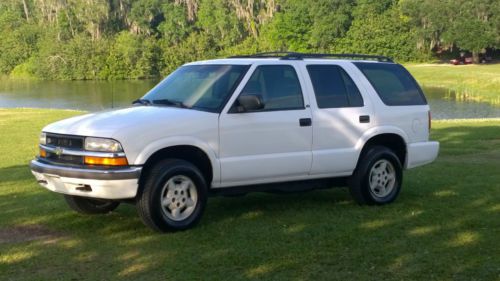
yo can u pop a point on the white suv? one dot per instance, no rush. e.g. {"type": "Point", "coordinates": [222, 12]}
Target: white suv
{"type": "Point", "coordinates": [268, 121]}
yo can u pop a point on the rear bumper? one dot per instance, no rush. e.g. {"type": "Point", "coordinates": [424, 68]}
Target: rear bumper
{"type": "Point", "coordinates": [96, 183]}
{"type": "Point", "coordinates": [421, 153]}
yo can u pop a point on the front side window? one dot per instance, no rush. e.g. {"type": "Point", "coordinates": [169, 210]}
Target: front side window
{"type": "Point", "coordinates": [393, 83]}
{"type": "Point", "coordinates": [333, 87]}
{"type": "Point", "coordinates": [204, 87]}
{"type": "Point", "coordinates": [278, 86]}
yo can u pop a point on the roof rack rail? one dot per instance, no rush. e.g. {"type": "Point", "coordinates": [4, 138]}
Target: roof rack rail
{"type": "Point", "coordinates": [276, 54]}
{"type": "Point", "coordinates": [349, 56]}
{"type": "Point", "coordinates": [300, 56]}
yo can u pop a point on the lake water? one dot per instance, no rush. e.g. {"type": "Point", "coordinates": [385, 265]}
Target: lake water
{"type": "Point", "coordinates": [83, 95]}
{"type": "Point", "coordinates": [99, 95]}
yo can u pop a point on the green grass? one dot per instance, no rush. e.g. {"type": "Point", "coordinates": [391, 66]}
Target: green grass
{"type": "Point", "coordinates": [470, 82]}
{"type": "Point", "coordinates": [444, 226]}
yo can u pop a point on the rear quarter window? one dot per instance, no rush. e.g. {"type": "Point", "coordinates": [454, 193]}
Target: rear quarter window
{"type": "Point", "coordinates": [333, 87]}
{"type": "Point", "coordinates": [393, 83]}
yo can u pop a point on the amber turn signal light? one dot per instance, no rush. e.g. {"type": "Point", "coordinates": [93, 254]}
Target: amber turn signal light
{"type": "Point", "coordinates": [43, 153]}
{"type": "Point", "coordinates": [118, 161]}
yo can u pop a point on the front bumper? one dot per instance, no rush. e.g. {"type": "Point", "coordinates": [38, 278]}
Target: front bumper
{"type": "Point", "coordinates": [114, 183]}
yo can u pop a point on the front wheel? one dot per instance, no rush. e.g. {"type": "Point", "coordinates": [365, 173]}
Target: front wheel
{"type": "Point", "coordinates": [90, 206]}
{"type": "Point", "coordinates": [173, 197]}
{"type": "Point", "coordinates": [377, 178]}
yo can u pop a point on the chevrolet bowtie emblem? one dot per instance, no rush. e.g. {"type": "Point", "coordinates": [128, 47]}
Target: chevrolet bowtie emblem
{"type": "Point", "coordinates": [58, 151]}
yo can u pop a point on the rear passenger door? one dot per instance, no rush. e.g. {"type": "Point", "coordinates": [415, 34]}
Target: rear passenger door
{"type": "Point", "coordinates": [341, 114]}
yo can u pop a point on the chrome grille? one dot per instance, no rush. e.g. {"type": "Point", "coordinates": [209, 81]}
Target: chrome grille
{"type": "Point", "coordinates": [65, 141]}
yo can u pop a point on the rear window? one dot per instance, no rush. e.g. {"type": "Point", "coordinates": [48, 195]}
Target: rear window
{"type": "Point", "coordinates": [393, 83]}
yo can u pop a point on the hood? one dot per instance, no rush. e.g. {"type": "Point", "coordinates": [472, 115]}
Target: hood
{"type": "Point", "coordinates": [109, 124]}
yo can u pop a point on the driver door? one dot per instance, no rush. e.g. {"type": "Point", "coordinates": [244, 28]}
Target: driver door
{"type": "Point", "coordinates": [270, 144]}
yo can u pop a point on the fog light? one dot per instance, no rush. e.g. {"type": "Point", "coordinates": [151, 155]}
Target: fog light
{"type": "Point", "coordinates": [118, 161]}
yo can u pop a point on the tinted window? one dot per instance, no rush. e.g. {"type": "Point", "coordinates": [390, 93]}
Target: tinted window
{"type": "Point", "coordinates": [278, 85]}
{"type": "Point", "coordinates": [393, 83]}
{"type": "Point", "coordinates": [333, 87]}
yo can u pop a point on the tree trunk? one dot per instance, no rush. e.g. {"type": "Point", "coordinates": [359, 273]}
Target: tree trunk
{"type": "Point", "coordinates": [475, 56]}
{"type": "Point", "coordinates": [26, 13]}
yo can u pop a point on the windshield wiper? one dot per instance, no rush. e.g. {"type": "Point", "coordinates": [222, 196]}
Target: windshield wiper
{"type": "Point", "coordinates": [171, 102]}
{"type": "Point", "coordinates": [142, 101]}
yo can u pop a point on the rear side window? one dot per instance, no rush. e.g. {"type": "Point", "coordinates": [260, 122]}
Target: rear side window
{"type": "Point", "coordinates": [333, 87]}
{"type": "Point", "coordinates": [393, 83]}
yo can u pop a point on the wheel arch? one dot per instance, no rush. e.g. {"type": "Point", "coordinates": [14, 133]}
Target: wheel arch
{"type": "Point", "coordinates": [393, 139]}
{"type": "Point", "coordinates": [196, 153]}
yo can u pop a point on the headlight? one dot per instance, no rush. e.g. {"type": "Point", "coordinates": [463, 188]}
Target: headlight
{"type": "Point", "coordinates": [43, 138]}
{"type": "Point", "coordinates": [102, 145]}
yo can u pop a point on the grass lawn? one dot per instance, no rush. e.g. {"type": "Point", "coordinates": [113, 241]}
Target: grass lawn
{"type": "Point", "coordinates": [444, 226]}
{"type": "Point", "coordinates": [470, 82]}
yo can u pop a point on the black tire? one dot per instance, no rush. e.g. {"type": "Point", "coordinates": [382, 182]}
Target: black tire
{"type": "Point", "coordinates": [371, 165]}
{"type": "Point", "coordinates": [90, 206]}
{"type": "Point", "coordinates": [149, 200]}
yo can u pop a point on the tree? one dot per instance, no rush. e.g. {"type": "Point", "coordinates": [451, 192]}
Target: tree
{"type": "Point", "coordinates": [19, 40]}
{"type": "Point", "coordinates": [332, 19]}
{"type": "Point", "coordinates": [191, 7]}
{"type": "Point", "coordinates": [385, 34]}
{"type": "Point", "coordinates": [130, 56]}
{"type": "Point", "coordinates": [175, 26]}
{"type": "Point", "coordinates": [472, 29]}
{"type": "Point", "coordinates": [146, 15]}
{"type": "Point", "coordinates": [118, 39]}
{"type": "Point", "coordinates": [429, 20]}
{"type": "Point", "coordinates": [291, 28]}
{"type": "Point", "coordinates": [467, 24]}
{"type": "Point", "coordinates": [218, 20]}
{"type": "Point", "coordinates": [196, 46]}
{"type": "Point", "coordinates": [253, 13]}
{"type": "Point", "coordinates": [92, 15]}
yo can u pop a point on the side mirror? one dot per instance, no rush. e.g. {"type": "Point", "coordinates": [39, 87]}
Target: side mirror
{"type": "Point", "coordinates": [250, 103]}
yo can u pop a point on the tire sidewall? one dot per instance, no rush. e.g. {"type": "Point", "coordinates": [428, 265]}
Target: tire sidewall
{"type": "Point", "coordinates": [155, 196]}
{"type": "Point", "coordinates": [372, 157]}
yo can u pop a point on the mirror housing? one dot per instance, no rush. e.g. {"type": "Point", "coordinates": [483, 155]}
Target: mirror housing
{"type": "Point", "coordinates": [250, 103]}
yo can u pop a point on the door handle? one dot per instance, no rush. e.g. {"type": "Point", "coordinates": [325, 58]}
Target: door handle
{"type": "Point", "coordinates": [364, 119]}
{"type": "Point", "coordinates": [305, 122]}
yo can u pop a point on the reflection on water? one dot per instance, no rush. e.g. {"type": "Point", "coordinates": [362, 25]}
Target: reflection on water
{"type": "Point", "coordinates": [444, 105]}
{"type": "Point", "coordinates": [99, 95]}
{"type": "Point", "coordinates": [84, 95]}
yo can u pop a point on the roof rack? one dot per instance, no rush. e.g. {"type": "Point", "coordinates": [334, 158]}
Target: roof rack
{"type": "Point", "coordinates": [283, 55]}
{"type": "Point", "coordinates": [300, 56]}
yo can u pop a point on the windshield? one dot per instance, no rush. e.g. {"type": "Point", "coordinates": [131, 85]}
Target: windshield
{"type": "Point", "coordinates": [204, 87]}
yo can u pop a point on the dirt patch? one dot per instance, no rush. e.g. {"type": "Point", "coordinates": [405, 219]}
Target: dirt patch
{"type": "Point", "coordinates": [25, 233]}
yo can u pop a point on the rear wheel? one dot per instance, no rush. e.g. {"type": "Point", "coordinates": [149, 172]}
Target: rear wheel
{"type": "Point", "coordinates": [90, 206]}
{"type": "Point", "coordinates": [173, 197]}
{"type": "Point", "coordinates": [377, 178]}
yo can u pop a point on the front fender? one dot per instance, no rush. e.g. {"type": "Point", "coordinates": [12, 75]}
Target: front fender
{"type": "Point", "coordinates": [157, 145]}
